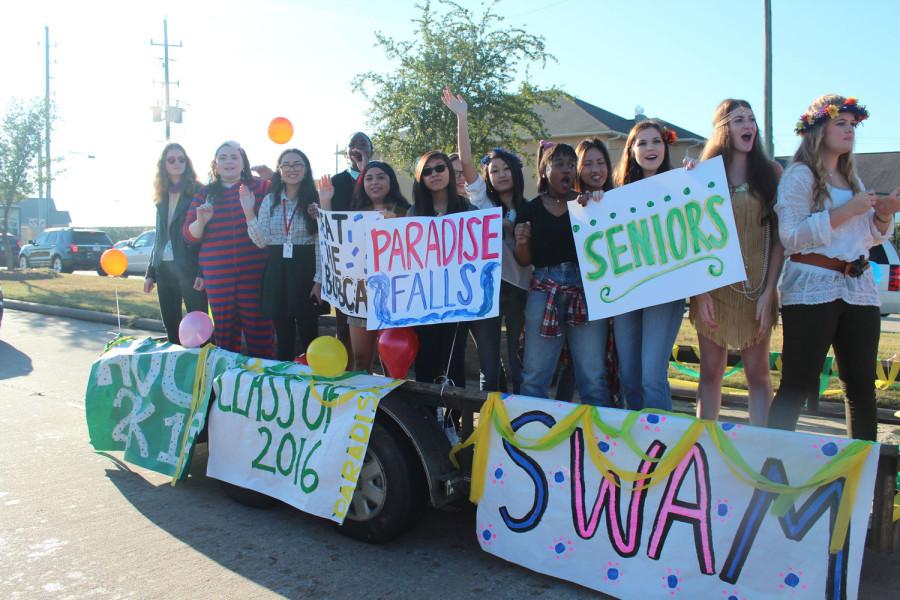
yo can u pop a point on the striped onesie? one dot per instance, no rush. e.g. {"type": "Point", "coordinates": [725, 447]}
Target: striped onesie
{"type": "Point", "coordinates": [232, 267]}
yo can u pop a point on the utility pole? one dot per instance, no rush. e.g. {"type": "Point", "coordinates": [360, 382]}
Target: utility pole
{"type": "Point", "coordinates": [770, 145]}
{"type": "Point", "coordinates": [165, 46]}
{"type": "Point", "coordinates": [46, 125]}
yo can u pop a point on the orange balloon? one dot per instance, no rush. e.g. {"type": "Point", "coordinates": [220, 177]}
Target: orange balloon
{"type": "Point", "coordinates": [280, 130]}
{"type": "Point", "coordinates": [114, 262]}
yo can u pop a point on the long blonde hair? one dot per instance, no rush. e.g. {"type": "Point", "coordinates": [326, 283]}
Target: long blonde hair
{"type": "Point", "coordinates": [811, 153]}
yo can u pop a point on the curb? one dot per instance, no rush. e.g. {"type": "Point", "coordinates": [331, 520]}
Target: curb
{"type": "Point", "coordinates": [128, 321]}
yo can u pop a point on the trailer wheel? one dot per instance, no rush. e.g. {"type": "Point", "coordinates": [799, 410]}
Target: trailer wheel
{"type": "Point", "coordinates": [247, 497]}
{"type": "Point", "coordinates": [390, 495]}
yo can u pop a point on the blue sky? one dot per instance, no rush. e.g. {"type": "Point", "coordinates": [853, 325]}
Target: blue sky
{"type": "Point", "coordinates": [243, 63]}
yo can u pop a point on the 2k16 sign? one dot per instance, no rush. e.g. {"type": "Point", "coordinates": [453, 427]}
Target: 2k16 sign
{"type": "Point", "coordinates": [423, 270]}
{"type": "Point", "coordinates": [660, 239]}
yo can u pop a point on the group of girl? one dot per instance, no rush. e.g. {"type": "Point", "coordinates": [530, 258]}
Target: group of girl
{"type": "Point", "coordinates": [250, 243]}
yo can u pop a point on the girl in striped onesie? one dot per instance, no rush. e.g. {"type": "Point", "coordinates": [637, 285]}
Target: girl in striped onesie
{"type": "Point", "coordinates": [231, 263]}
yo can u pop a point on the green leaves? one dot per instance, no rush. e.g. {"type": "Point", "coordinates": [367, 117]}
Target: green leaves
{"type": "Point", "coordinates": [475, 56]}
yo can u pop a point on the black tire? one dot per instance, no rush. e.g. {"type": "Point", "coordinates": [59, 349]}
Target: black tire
{"type": "Point", "coordinates": [391, 494]}
{"type": "Point", "coordinates": [23, 263]}
{"type": "Point", "coordinates": [247, 497]}
{"type": "Point", "coordinates": [56, 264]}
{"type": "Point", "coordinates": [101, 272]}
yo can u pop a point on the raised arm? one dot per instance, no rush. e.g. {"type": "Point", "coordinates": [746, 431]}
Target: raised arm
{"type": "Point", "coordinates": [459, 107]}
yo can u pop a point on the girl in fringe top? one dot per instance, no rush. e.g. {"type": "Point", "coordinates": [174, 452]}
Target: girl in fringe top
{"type": "Point", "coordinates": [827, 222]}
{"type": "Point", "coordinates": [743, 315]}
{"type": "Point", "coordinates": [283, 226]}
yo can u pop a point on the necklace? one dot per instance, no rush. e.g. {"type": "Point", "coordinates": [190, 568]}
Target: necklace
{"type": "Point", "coordinates": [756, 292]}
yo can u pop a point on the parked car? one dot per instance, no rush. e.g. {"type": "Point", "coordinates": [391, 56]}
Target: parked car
{"type": "Point", "coordinates": [122, 243]}
{"type": "Point", "coordinates": [65, 249]}
{"type": "Point", "coordinates": [13, 242]}
{"type": "Point", "coordinates": [887, 261]}
{"type": "Point", "coordinates": [1, 306]}
{"type": "Point", "coordinates": [138, 252]}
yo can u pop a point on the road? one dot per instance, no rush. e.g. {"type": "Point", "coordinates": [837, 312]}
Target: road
{"type": "Point", "coordinates": [74, 523]}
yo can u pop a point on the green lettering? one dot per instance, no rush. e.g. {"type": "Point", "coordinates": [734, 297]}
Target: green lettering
{"type": "Point", "coordinates": [694, 213]}
{"type": "Point", "coordinates": [716, 218]}
{"type": "Point", "coordinates": [660, 239]}
{"type": "Point", "coordinates": [677, 245]}
{"type": "Point", "coordinates": [595, 257]}
{"type": "Point", "coordinates": [615, 250]}
{"type": "Point", "coordinates": [640, 243]}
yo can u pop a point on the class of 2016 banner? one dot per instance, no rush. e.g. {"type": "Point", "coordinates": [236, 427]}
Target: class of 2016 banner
{"type": "Point", "coordinates": [685, 519]}
{"type": "Point", "coordinates": [141, 399]}
{"type": "Point", "coordinates": [292, 437]}
{"type": "Point", "coordinates": [342, 244]}
{"type": "Point", "coordinates": [659, 239]}
{"type": "Point", "coordinates": [424, 270]}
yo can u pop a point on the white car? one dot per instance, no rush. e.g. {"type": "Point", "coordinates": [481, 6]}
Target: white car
{"type": "Point", "coordinates": [138, 253]}
{"type": "Point", "coordinates": [886, 268]}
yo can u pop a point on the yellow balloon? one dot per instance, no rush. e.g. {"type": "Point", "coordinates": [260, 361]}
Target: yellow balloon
{"type": "Point", "coordinates": [327, 356]}
{"type": "Point", "coordinates": [114, 262]}
{"type": "Point", "coordinates": [280, 130]}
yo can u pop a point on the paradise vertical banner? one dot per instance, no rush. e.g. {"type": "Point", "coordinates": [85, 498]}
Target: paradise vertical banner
{"type": "Point", "coordinates": [342, 244]}
{"type": "Point", "coordinates": [297, 438]}
{"type": "Point", "coordinates": [659, 239]}
{"type": "Point", "coordinates": [659, 505]}
{"type": "Point", "coordinates": [423, 270]}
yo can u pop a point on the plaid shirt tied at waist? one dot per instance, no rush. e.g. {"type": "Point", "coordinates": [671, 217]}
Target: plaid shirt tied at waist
{"type": "Point", "coordinates": [572, 295]}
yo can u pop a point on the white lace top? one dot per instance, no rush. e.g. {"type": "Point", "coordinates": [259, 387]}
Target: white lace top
{"type": "Point", "coordinates": [805, 232]}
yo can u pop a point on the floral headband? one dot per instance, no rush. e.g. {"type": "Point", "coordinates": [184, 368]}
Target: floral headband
{"type": "Point", "coordinates": [669, 136]}
{"type": "Point", "coordinates": [498, 150]}
{"type": "Point", "coordinates": [810, 119]}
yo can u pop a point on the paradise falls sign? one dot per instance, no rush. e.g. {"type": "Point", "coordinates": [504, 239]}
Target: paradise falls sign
{"type": "Point", "coordinates": [658, 505]}
{"type": "Point", "coordinates": [659, 239]}
{"type": "Point", "coordinates": [423, 270]}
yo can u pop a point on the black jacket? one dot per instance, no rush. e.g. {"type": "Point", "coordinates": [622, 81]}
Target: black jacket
{"type": "Point", "coordinates": [184, 253]}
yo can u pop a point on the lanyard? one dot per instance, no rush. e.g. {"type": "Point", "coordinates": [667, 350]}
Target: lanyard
{"type": "Point", "coordinates": [288, 224]}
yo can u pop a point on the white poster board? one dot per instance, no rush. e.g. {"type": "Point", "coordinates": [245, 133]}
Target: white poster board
{"type": "Point", "coordinates": [424, 270]}
{"type": "Point", "coordinates": [273, 433]}
{"type": "Point", "coordinates": [656, 240]}
{"type": "Point", "coordinates": [342, 245]}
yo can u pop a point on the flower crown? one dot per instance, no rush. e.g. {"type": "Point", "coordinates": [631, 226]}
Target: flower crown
{"type": "Point", "coordinates": [669, 135]}
{"type": "Point", "coordinates": [499, 150]}
{"type": "Point", "coordinates": [810, 119]}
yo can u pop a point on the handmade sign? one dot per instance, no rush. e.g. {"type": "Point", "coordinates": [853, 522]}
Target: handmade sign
{"type": "Point", "coordinates": [659, 239]}
{"type": "Point", "coordinates": [658, 505]}
{"type": "Point", "coordinates": [149, 398]}
{"type": "Point", "coordinates": [423, 270]}
{"type": "Point", "coordinates": [295, 437]}
{"type": "Point", "coordinates": [342, 244]}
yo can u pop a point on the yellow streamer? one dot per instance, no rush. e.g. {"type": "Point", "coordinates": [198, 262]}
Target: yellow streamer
{"type": "Point", "coordinates": [885, 381]}
{"type": "Point", "coordinates": [196, 393]}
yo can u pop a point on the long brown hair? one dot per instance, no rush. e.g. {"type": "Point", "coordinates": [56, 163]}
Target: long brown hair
{"type": "Point", "coordinates": [762, 176]}
{"type": "Point", "coordinates": [161, 180]}
{"type": "Point", "coordinates": [628, 170]}
{"type": "Point", "coordinates": [811, 153]}
{"type": "Point", "coordinates": [422, 199]}
{"type": "Point", "coordinates": [580, 150]}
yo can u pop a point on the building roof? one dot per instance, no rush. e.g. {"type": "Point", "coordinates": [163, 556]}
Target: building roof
{"type": "Point", "coordinates": [577, 117]}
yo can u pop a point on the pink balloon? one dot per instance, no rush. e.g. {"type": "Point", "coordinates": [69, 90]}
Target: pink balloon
{"type": "Point", "coordinates": [195, 329]}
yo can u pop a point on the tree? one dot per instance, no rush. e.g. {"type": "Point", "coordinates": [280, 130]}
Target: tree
{"type": "Point", "coordinates": [475, 57]}
{"type": "Point", "coordinates": [20, 142]}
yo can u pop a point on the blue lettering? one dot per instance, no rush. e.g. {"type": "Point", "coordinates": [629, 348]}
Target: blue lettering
{"type": "Point", "coordinates": [464, 300]}
{"type": "Point", "coordinates": [395, 290]}
{"type": "Point", "coordinates": [417, 290]}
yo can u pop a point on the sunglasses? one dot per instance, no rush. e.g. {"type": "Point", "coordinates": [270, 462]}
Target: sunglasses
{"type": "Point", "coordinates": [173, 159]}
{"type": "Point", "coordinates": [435, 169]}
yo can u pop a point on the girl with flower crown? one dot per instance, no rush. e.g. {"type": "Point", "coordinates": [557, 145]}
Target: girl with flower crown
{"type": "Point", "coordinates": [502, 184]}
{"type": "Point", "coordinates": [742, 316]}
{"type": "Point", "coordinates": [827, 223]}
{"type": "Point", "coordinates": [644, 337]}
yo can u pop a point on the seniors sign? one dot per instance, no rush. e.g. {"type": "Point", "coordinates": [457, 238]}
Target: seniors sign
{"type": "Point", "coordinates": [423, 270]}
{"type": "Point", "coordinates": [342, 241]}
{"type": "Point", "coordinates": [659, 239]}
{"type": "Point", "coordinates": [658, 505]}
